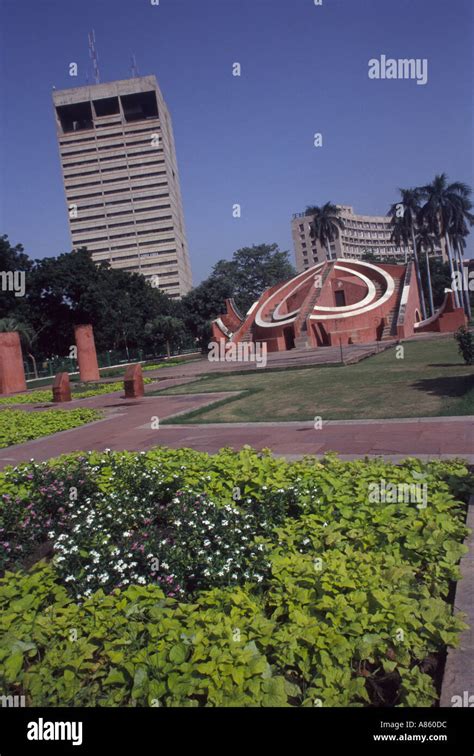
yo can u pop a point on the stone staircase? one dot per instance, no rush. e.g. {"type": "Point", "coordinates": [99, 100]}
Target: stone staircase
{"type": "Point", "coordinates": [301, 322]}
{"type": "Point", "coordinates": [390, 327]}
{"type": "Point", "coordinates": [248, 336]}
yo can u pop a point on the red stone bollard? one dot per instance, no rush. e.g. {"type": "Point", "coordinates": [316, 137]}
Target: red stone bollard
{"type": "Point", "coordinates": [61, 388]}
{"type": "Point", "coordinates": [86, 354]}
{"type": "Point", "coordinates": [12, 372]}
{"type": "Point", "coordinates": [133, 382]}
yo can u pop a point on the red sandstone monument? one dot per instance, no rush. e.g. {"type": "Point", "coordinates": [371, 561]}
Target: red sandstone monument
{"type": "Point", "coordinates": [61, 388]}
{"type": "Point", "coordinates": [12, 372]}
{"type": "Point", "coordinates": [133, 382]}
{"type": "Point", "coordinates": [86, 354]}
{"type": "Point", "coordinates": [344, 301]}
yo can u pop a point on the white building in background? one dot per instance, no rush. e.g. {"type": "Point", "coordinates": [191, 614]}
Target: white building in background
{"type": "Point", "coordinates": [361, 234]}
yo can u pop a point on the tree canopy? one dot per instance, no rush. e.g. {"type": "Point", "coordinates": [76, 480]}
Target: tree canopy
{"type": "Point", "coordinates": [245, 277]}
{"type": "Point", "coordinates": [125, 310]}
{"type": "Point", "coordinates": [71, 289]}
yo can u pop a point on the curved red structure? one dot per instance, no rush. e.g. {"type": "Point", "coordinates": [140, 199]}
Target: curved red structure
{"type": "Point", "coordinates": [340, 302]}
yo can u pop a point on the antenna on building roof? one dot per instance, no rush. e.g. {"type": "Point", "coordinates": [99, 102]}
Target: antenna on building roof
{"type": "Point", "coordinates": [94, 56]}
{"type": "Point", "coordinates": [134, 67]}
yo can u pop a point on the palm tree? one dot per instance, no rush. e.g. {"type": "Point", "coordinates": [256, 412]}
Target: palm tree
{"type": "Point", "coordinates": [459, 231]}
{"type": "Point", "coordinates": [427, 241]}
{"type": "Point", "coordinates": [445, 205]}
{"type": "Point", "coordinates": [399, 235]}
{"type": "Point", "coordinates": [406, 226]}
{"type": "Point", "coordinates": [10, 325]}
{"type": "Point", "coordinates": [325, 224]}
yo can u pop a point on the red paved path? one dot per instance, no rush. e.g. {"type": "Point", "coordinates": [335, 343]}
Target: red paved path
{"type": "Point", "coordinates": [128, 426]}
{"type": "Point", "coordinates": [128, 423]}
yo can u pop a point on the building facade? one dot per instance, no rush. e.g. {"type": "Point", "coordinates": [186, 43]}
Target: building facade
{"type": "Point", "coordinates": [121, 179]}
{"type": "Point", "coordinates": [361, 234]}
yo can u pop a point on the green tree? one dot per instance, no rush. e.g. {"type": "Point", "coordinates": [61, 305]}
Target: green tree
{"type": "Point", "coordinates": [245, 277]}
{"type": "Point", "coordinates": [166, 330]}
{"type": "Point", "coordinates": [446, 205]}
{"type": "Point", "coordinates": [202, 305]}
{"type": "Point", "coordinates": [404, 214]}
{"type": "Point", "coordinates": [12, 259]}
{"type": "Point", "coordinates": [400, 234]}
{"type": "Point", "coordinates": [426, 242]}
{"type": "Point", "coordinates": [325, 224]}
{"type": "Point", "coordinates": [460, 231]}
{"type": "Point", "coordinates": [440, 278]}
{"type": "Point", "coordinates": [255, 269]}
{"type": "Point", "coordinates": [71, 289]}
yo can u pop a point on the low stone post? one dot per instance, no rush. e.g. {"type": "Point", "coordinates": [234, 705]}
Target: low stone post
{"type": "Point", "coordinates": [62, 388]}
{"type": "Point", "coordinates": [133, 382]}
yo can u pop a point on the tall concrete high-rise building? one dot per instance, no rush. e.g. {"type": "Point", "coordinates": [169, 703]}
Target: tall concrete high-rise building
{"type": "Point", "coordinates": [121, 179]}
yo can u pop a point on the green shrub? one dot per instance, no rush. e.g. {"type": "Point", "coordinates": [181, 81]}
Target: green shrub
{"type": "Point", "coordinates": [134, 648]}
{"type": "Point", "coordinates": [351, 609]}
{"type": "Point", "coordinates": [18, 426]}
{"type": "Point", "coordinates": [169, 363]}
{"type": "Point", "coordinates": [465, 340]}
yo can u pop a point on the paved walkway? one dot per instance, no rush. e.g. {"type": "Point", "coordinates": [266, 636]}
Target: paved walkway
{"type": "Point", "coordinates": [131, 424]}
{"type": "Point", "coordinates": [294, 358]}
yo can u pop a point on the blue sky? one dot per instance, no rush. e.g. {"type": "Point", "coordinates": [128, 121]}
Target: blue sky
{"type": "Point", "coordinates": [246, 140]}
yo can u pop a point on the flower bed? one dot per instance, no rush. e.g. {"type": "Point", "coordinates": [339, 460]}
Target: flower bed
{"type": "Point", "coordinates": [17, 426]}
{"type": "Point", "coordinates": [235, 579]}
{"type": "Point", "coordinates": [78, 392]}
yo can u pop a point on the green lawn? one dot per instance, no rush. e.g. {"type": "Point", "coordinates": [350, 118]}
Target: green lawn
{"type": "Point", "coordinates": [430, 380]}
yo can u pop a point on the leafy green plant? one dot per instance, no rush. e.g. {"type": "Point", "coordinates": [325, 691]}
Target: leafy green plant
{"type": "Point", "coordinates": [334, 599]}
{"type": "Point", "coordinates": [465, 340]}
{"type": "Point", "coordinates": [134, 648]}
{"type": "Point", "coordinates": [78, 392]}
{"type": "Point", "coordinates": [18, 426]}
